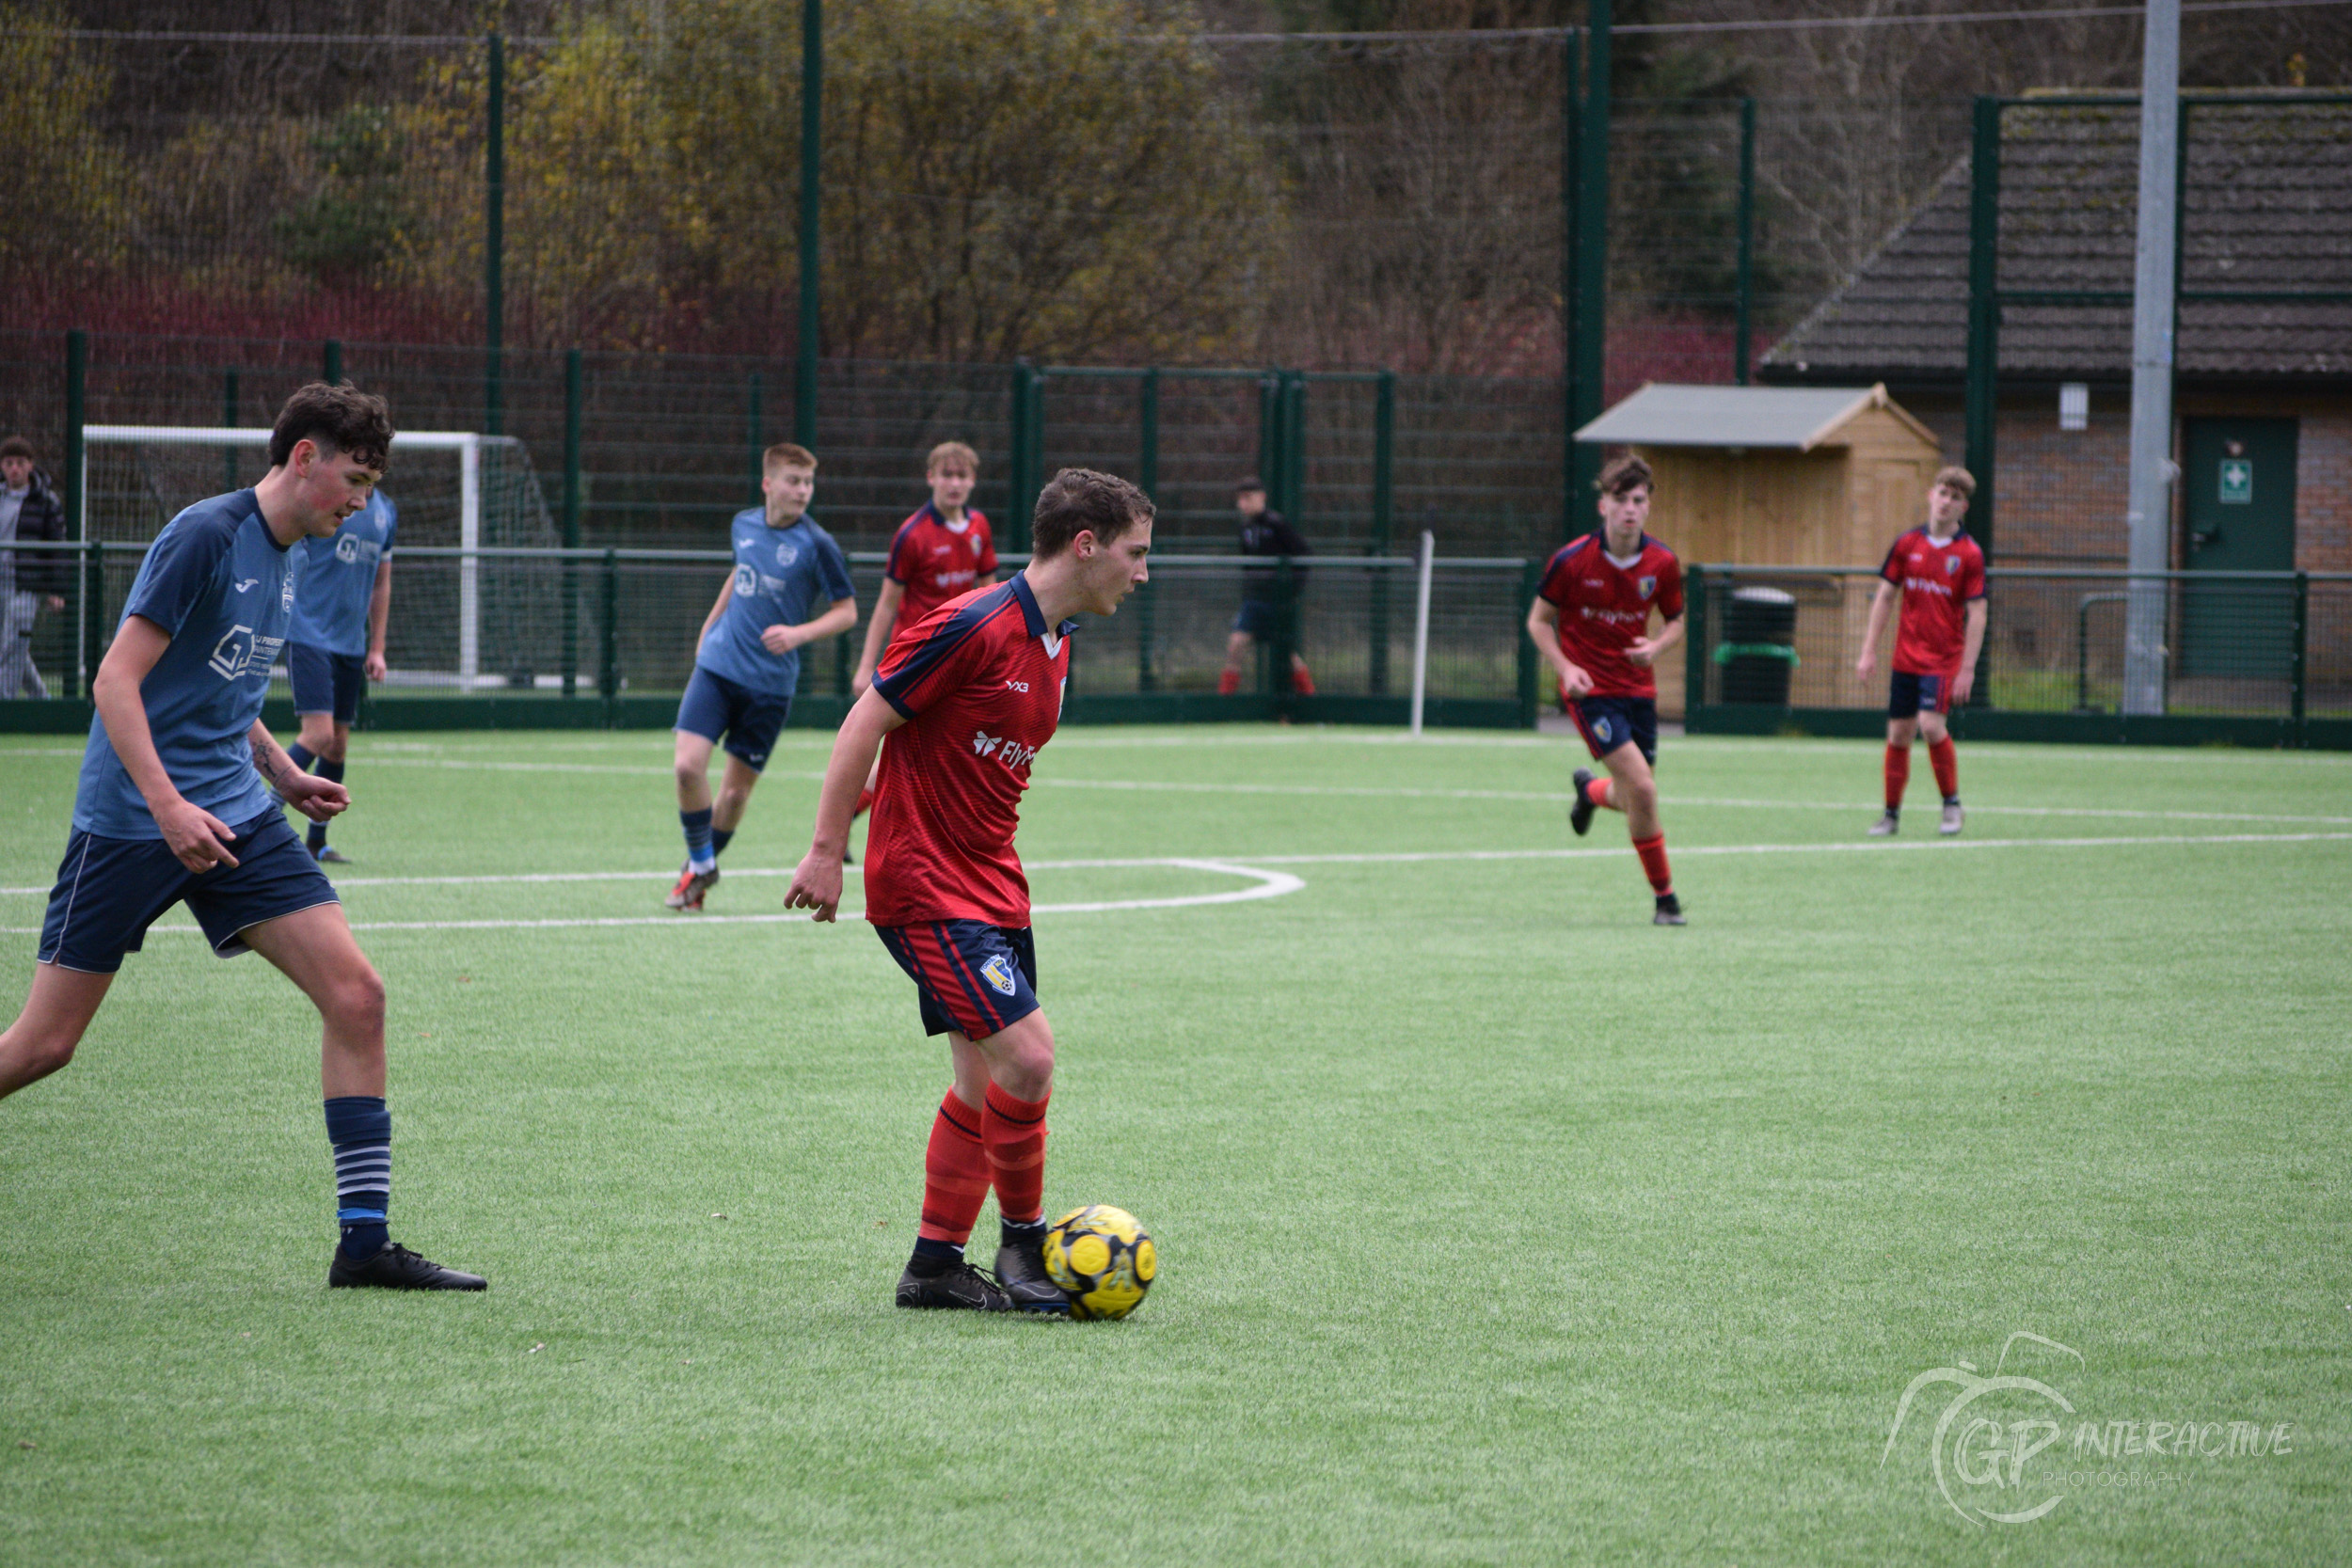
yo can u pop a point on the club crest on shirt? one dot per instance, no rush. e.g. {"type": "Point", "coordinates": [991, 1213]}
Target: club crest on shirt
{"type": "Point", "coordinates": [999, 974]}
{"type": "Point", "coordinates": [1951, 566]}
{"type": "Point", "coordinates": [787, 553]}
{"type": "Point", "coordinates": [1646, 585]}
{"type": "Point", "coordinates": [285, 594]}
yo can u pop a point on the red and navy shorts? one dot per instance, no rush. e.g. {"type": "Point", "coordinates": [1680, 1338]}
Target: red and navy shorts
{"type": "Point", "coordinates": [1909, 695]}
{"type": "Point", "coordinates": [1609, 723]}
{"type": "Point", "coordinates": [972, 977]}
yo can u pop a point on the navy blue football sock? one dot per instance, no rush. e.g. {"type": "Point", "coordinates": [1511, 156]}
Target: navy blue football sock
{"type": "Point", "coordinates": [333, 772]}
{"type": "Point", "coordinates": [1016, 1234]}
{"type": "Point", "coordinates": [719, 838]}
{"type": "Point", "coordinates": [697, 826]}
{"type": "Point", "coordinates": [933, 1250]}
{"type": "Point", "coordinates": [303, 756]}
{"type": "Point", "coordinates": [361, 1130]}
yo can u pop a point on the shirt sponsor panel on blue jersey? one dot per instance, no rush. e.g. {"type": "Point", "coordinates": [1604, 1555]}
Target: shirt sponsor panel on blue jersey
{"type": "Point", "coordinates": [220, 584]}
{"type": "Point", "coordinates": [780, 573]}
{"type": "Point", "coordinates": [338, 579]}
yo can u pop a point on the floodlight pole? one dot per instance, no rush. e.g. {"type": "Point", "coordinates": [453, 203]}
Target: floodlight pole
{"type": "Point", "coordinates": [2147, 518]}
{"type": "Point", "coordinates": [812, 168]}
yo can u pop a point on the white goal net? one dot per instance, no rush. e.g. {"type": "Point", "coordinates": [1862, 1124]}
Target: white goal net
{"type": "Point", "coordinates": [463, 614]}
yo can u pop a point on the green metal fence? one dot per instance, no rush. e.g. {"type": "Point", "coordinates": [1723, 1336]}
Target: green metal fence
{"type": "Point", "coordinates": [2257, 658]}
{"type": "Point", "coordinates": [606, 638]}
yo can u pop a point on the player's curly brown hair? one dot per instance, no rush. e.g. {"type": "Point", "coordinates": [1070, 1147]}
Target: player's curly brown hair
{"type": "Point", "coordinates": [1079, 500]}
{"type": "Point", "coordinates": [1621, 475]}
{"type": "Point", "coordinates": [354, 423]}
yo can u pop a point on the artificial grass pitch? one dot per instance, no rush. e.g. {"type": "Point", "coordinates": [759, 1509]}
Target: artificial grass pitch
{"type": "Point", "coordinates": [1496, 1224]}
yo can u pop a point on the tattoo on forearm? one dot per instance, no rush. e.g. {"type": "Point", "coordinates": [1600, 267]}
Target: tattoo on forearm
{"type": "Point", "coordinates": [271, 762]}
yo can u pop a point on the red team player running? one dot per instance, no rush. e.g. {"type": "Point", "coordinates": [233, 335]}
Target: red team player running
{"type": "Point", "coordinates": [965, 700]}
{"type": "Point", "coordinates": [1939, 571]}
{"type": "Point", "coordinates": [1591, 620]}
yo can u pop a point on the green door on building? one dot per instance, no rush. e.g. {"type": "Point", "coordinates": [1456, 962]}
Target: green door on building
{"type": "Point", "coordinates": [2240, 476]}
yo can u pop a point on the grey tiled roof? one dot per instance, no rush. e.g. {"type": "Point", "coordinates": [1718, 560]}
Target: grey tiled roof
{"type": "Point", "coordinates": [2268, 205]}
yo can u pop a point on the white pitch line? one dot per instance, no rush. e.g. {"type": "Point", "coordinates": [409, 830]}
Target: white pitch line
{"type": "Point", "coordinates": [1275, 884]}
{"type": "Point", "coordinates": [1264, 885]}
{"type": "Point", "coordinates": [1403, 792]}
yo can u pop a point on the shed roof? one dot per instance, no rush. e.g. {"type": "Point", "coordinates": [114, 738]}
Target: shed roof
{"type": "Point", "coordinates": [2266, 204]}
{"type": "Point", "coordinates": [1790, 419]}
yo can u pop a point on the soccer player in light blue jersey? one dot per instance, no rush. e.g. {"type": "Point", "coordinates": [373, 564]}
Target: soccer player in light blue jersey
{"type": "Point", "coordinates": [171, 806]}
{"type": "Point", "coordinates": [342, 603]}
{"type": "Point", "coordinates": [790, 587]}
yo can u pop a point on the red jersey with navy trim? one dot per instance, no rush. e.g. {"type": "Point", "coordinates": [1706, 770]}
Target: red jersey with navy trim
{"type": "Point", "coordinates": [1604, 606]}
{"type": "Point", "coordinates": [980, 684]}
{"type": "Point", "coordinates": [935, 561]}
{"type": "Point", "coordinates": [1938, 581]}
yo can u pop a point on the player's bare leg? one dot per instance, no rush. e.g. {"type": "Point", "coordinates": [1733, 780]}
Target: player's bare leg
{"type": "Point", "coordinates": [735, 794]}
{"type": "Point", "coordinates": [55, 1015]}
{"type": "Point", "coordinates": [1633, 791]}
{"type": "Point", "coordinates": [690, 761]}
{"type": "Point", "coordinates": [1899, 736]}
{"type": "Point", "coordinates": [1944, 760]}
{"type": "Point", "coordinates": [1017, 1067]}
{"type": "Point", "coordinates": [314, 948]}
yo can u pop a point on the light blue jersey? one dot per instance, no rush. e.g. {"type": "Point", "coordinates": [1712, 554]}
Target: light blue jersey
{"type": "Point", "coordinates": [338, 579]}
{"type": "Point", "coordinates": [218, 581]}
{"type": "Point", "coordinates": [779, 574]}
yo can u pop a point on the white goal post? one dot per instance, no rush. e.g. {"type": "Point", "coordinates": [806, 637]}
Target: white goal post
{"type": "Point", "coordinates": [466, 444]}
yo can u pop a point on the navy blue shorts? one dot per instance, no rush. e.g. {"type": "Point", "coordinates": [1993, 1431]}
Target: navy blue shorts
{"type": "Point", "coordinates": [110, 890]}
{"type": "Point", "coordinates": [1607, 722]}
{"type": "Point", "coordinates": [1909, 696]}
{"type": "Point", "coordinates": [326, 683]}
{"type": "Point", "coordinates": [751, 721]}
{"type": "Point", "coordinates": [972, 977]}
{"type": "Point", "coordinates": [1260, 618]}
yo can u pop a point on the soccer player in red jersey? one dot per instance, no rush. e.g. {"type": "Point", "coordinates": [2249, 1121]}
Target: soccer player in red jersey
{"type": "Point", "coordinates": [1939, 572]}
{"type": "Point", "coordinates": [1591, 620]}
{"type": "Point", "coordinates": [965, 701]}
{"type": "Point", "coordinates": [940, 552]}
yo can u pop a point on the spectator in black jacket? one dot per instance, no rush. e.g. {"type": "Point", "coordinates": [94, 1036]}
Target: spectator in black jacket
{"type": "Point", "coordinates": [1268, 534]}
{"type": "Point", "coordinates": [29, 509]}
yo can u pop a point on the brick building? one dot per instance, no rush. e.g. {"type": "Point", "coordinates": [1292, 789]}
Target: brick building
{"type": "Point", "coordinates": [2263, 395]}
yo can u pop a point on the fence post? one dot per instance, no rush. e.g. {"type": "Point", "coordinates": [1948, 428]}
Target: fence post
{"type": "Point", "coordinates": [609, 648]}
{"type": "Point", "coordinates": [229, 421]}
{"type": "Point", "coordinates": [494, 247]}
{"type": "Point", "coordinates": [1285, 635]}
{"type": "Point", "coordinates": [94, 615]}
{"type": "Point", "coordinates": [1743, 348]}
{"type": "Point", "coordinates": [1695, 644]}
{"type": "Point", "coordinates": [812, 234]}
{"type": "Point", "coordinates": [2301, 669]}
{"type": "Point", "coordinates": [1028, 451]}
{"type": "Point", "coordinates": [332, 361]}
{"type": "Point", "coordinates": [1383, 524]}
{"type": "Point", "coordinates": [1592, 261]}
{"type": "Point", "coordinates": [1531, 580]}
{"type": "Point", "coordinates": [1147, 444]}
{"type": "Point", "coordinates": [1984, 311]}
{"type": "Point", "coordinates": [1571, 208]}
{"type": "Point", "coordinates": [573, 390]}
{"type": "Point", "coordinates": [1270, 435]}
{"type": "Point", "coordinates": [754, 418]}
{"type": "Point", "coordinates": [76, 457]}
{"type": "Point", "coordinates": [1294, 448]}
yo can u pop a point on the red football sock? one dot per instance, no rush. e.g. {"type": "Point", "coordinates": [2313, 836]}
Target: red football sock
{"type": "Point", "coordinates": [1228, 682]}
{"type": "Point", "coordinates": [1652, 854]}
{"type": "Point", "coordinates": [1897, 774]}
{"type": "Point", "coordinates": [1946, 761]}
{"type": "Point", "coordinates": [1014, 1133]}
{"type": "Point", "coordinates": [955, 1173]}
{"type": "Point", "coordinates": [1301, 681]}
{"type": "Point", "coordinates": [865, 804]}
{"type": "Point", "coordinates": [1598, 792]}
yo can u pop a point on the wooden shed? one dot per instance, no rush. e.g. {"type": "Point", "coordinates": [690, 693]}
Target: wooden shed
{"type": "Point", "coordinates": [1777, 476]}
